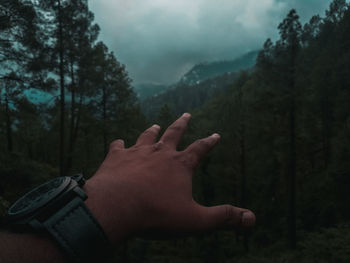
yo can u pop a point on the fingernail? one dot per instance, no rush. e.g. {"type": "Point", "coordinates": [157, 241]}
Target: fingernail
{"type": "Point", "coordinates": [186, 115]}
{"type": "Point", "coordinates": [156, 126]}
{"type": "Point", "coordinates": [248, 219]}
{"type": "Point", "coordinates": [216, 135]}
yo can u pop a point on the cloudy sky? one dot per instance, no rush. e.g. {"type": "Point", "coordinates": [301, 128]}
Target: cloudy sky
{"type": "Point", "coordinates": [159, 40]}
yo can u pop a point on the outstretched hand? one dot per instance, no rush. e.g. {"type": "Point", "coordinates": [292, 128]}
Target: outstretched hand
{"type": "Point", "coordinates": [149, 187]}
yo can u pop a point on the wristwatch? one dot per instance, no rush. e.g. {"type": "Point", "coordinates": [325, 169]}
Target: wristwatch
{"type": "Point", "coordinates": [58, 207]}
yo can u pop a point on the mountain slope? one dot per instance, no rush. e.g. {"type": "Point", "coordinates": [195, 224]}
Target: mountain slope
{"type": "Point", "coordinates": [146, 90]}
{"type": "Point", "coordinates": [198, 74]}
{"type": "Point", "coordinates": [197, 86]}
{"type": "Point", "coordinates": [183, 97]}
{"type": "Point", "coordinates": [204, 71]}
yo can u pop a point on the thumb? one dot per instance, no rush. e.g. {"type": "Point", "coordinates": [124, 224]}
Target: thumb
{"type": "Point", "coordinates": [226, 216]}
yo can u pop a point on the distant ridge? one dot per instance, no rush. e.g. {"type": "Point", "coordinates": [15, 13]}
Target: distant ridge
{"type": "Point", "coordinates": [198, 74]}
{"type": "Point", "coordinates": [183, 97]}
{"type": "Point", "coordinates": [197, 86]}
{"type": "Point", "coordinates": [146, 90]}
{"type": "Point", "coordinates": [204, 71]}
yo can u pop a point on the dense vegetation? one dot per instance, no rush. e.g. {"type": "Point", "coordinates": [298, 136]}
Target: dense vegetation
{"type": "Point", "coordinates": [184, 97]}
{"type": "Point", "coordinates": [207, 70]}
{"type": "Point", "coordinates": [196, 87]}
{"type": "Point", "coordinates": [285, 130]}
{"type": "Point", "coordinates": [50, 47]}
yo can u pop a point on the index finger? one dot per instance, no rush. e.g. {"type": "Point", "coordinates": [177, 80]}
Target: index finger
{"type": "Point", "coordinates": [174, 133]}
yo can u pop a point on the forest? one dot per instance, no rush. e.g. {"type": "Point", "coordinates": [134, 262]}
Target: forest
{"type": "Point", "coordinates": [284, 124]}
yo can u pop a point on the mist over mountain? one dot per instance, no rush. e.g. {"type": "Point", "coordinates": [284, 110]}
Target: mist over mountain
{"type": "Point", "coordinates": [161, 40]}
{"type": "Point", "coordinates": [198, 74]}
{"type": "Point", "coordinates": [284, 121]}
{"type": "Point", "coordinates": [207, 70]}
{"type": "Point", "coordinates": [146, 90]}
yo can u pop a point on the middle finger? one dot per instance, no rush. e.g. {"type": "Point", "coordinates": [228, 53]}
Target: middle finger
{"type": "Point", "coordinates": [174, 133]}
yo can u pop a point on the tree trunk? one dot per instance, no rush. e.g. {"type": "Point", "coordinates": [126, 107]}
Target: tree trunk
{"type": "Point", "coordinates": [8, 125]}
{"type": "Point", "coordinates": [62, 92]}
{"type": "Point", "coordinates": [243, 178]}
{"type": "Point", "coordinates": [292, 157]}
{"type": "Point", "coordinates": [72, 120]}
{"type": "Point", "coordinates": [292, 178]}
{"type": "Point", "coordinates": [242, 128]}
{"type": "Point", "coordinates": [326, 127]}
{"type": "Point", "coordinates": [104, 118]}
{"type": "Point", "coordinates": [75, 133]}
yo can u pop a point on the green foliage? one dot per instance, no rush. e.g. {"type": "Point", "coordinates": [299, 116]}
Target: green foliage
{"type": "Point", "coordinates": [256, 110]}
{"type": "Point", "coordinates": [184, 97]}
{"type": "Point", "coordinates": [305, 72]}
{"type": "Point", "coordinates": [305, 68]}
{"type": "Point", "coordinates": [165, 117]}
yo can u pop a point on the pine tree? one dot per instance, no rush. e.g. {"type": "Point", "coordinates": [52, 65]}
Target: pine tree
{"type": "Point", "coordinates": [17, 41]}
{"type": "Point", "coordinates": [289, 47]}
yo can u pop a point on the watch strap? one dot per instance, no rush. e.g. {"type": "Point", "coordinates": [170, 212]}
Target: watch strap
{"type": "Point", "coordinates": [79, 233]}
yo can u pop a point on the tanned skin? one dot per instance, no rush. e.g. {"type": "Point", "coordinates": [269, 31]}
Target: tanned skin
{"type": "Point", "coordinates": [146, 188]}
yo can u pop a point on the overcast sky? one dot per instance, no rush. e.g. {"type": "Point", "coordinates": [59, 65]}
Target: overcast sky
{"type": "Point", "coordinates": [159, 40]}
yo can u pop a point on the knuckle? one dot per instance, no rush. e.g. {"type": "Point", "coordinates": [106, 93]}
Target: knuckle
{"type": "Point", "coordinates": [176, 127]}
{"type": "Point", "coordinates": [158, 146]}
{"type": "Point", "coordinates": [188, 159]}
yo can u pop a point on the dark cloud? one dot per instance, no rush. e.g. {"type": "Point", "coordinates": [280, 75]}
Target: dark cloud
{"type": "Point", "coordinates": [307, 8]}
{"type": "Point", "coordinates": [159, 40]}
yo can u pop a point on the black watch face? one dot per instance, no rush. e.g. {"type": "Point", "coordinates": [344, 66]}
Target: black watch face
{"type": "Point", "coordinates": [38, 197]}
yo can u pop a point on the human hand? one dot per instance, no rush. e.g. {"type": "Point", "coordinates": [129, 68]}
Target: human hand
{"type": "Point", "coordinates": [149, 187]}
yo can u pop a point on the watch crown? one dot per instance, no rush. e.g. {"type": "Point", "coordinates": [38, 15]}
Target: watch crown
{"type": "Point", "coordinates": [79, 178]}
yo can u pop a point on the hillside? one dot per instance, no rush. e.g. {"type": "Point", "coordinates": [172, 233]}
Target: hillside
{"type": "Point", "coordinates": [204, 71]}
{"type": "Point", "coordinates": [284, 150]}
{"type": "Point", "coordinates": [195, 88]}
{"type": "Point", "coordinates": [198, 74]}
{"type": "Point", "coordinates": [183, 97]}
{"type": "Point", "coordinates": [146, 90]}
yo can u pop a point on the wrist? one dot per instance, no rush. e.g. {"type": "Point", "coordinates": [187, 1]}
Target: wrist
{"type": "Point", "coordinates": [101, 205]}
{"type": "Point", "coordinates": [57, 208]}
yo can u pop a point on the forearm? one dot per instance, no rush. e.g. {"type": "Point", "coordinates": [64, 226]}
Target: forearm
{"type": "Point", "coordinates": [28, 248]}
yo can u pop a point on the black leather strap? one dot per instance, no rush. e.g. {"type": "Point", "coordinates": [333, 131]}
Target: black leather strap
{"type": "Point", "coordinates": [79, 233]}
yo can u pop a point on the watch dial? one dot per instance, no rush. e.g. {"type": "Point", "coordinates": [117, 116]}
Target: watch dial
{"type": "Point", "coordinates": [38, 196]}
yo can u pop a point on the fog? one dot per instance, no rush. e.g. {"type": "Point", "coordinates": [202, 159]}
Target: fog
{"type": "Point", "coordinates": [159, 40]}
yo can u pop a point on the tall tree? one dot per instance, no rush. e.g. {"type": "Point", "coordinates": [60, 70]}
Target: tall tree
{"type": "Point", "coordinates": [326, 89]}
{"type": "Point", "coordinates": [81, 34]}
{"type": "Point", "coordinates": [289, 45]}
{"type": "Point", "coordinates": [70, 28]}
{"type": "Point", "coordinates": [113, 93]}
{"type": "Point", "coordinates": [17, 39]}
{"type": "Point", "coordinates": [53, 10]}
{"type": "Point", "coordinates": [336, 11]}
{"type": "Point", "coordinates": [62, 86]}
